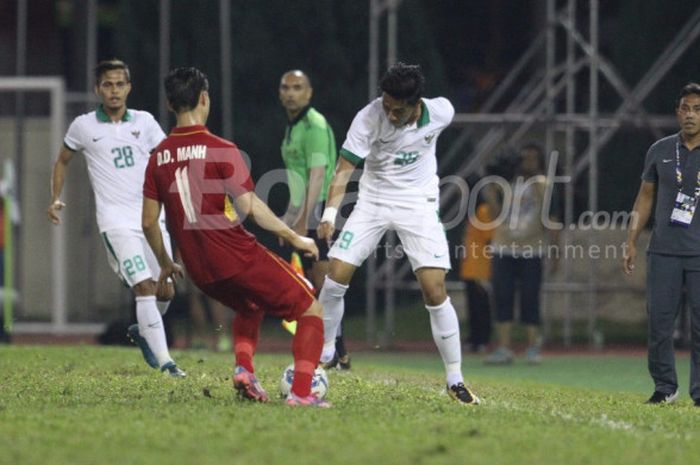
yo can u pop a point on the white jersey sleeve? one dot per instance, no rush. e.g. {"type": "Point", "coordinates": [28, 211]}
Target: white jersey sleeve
{"type": "Point", "coordinates": [443, 112]}
{"type": "Point", "coordinates": [74, 138]}
{"type": "Point", "coordinates": [154, 133]}
{"type": "Point", "coordinates": [360, 136]}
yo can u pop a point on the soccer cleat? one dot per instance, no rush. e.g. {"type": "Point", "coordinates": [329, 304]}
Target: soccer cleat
{"type": "Point", "coordinates": [344, 363]}
{"type": "Point", "coordinates": [461, 393]}
{"type": "Point", "coordinates": [501, 356]}
{"type": "Point", "coordinates": [172, 369]}
{"type": "Point", "coordinates": [332, 363]}
{"type": "Point", "coordinates": [309, 401]}
{"type": "Point", "coordinates": [696, 402]}
{"type": "Point", "coordinates": [533, 355]}
{"type": "Point", "coordinates": [248, 385]}
{"type": "Point", "coordinates": [661, 398]}
{"type": "Point", "coordinates": [133, 334]}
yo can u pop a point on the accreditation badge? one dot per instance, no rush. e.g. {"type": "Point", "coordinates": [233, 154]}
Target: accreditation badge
{"type": "Point", "coordinates": [683, 210]}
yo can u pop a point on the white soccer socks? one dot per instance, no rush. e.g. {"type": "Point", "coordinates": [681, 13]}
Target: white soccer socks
{"type": "Point", "coordinates": [151, 327]}
{"type": "Point", "coordinates": [331, 299]}
{"type": "Point", "coordinates": [445, 327]}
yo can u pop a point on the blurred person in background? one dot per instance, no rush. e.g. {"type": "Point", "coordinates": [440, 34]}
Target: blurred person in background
{"type": "Point", "coordinates": [309, 155]}
{"type": "Point", "coordinates": [475, 270]}
{"type": "Point", "coordinates": [671, 182]}
{"type": "Point", "coordinates": [117, 142]}
{"type": "Point", "coordinates": [519, 243]}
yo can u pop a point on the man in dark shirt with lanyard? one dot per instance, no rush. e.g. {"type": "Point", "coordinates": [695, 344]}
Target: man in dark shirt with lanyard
{"type": "Point", "coordinates": [672, 178]}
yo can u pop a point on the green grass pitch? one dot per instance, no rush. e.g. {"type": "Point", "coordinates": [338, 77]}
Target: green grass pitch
{"type": "Point", "coordinates": [95, 405]}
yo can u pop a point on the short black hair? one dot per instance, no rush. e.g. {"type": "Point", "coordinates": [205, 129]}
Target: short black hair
{"type": "Point", "coordinates": [688, 89]}
{"type": "Point", "coordinates": [111, 65]}
{"type": "Point", "coordinates": [183, 87]}
{"type": "Point", "coordinates": [403, 82]}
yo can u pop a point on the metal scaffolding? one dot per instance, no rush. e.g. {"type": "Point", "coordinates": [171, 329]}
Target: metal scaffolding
{"type": "Point", "coordinates": [535, 103]}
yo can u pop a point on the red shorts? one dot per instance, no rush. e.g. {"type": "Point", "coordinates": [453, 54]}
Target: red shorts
{"type": "Point", "coordinates": [269, 285]}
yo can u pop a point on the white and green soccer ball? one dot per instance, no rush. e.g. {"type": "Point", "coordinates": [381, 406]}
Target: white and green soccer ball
{"type": "Point", "coordinates": [319, 383]}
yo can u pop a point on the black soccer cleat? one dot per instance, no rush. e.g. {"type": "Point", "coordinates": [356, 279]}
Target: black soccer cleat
{"type": "Point", "coordinates": [461, 393]}
{"type": "Point", "coordinates": [343, 362]}
{"type": "Point", "coordinates": [661, 398]}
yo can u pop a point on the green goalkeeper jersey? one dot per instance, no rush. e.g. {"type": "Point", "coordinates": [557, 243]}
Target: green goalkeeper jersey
{"type": "Point", "coordinates": [308, 143]}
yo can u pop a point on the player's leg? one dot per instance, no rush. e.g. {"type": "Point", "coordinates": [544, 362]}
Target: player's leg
{"type": "Point", "coordinates": [444, 326]}
{"type": "Point", "coordinates": [332, 300]}
{"type": "Point", "coordinates": [128, 255]}
{"type": "Point", "coordinates": [246, 331]}
{"type": "Point", "coordinates": [423, 239]}
{"type": "Point", "coordinates": [424, 242]}
{"type": "Point", "coordinates": [306, 348]}
{"type": "Point", "coordinates": [150, 322]}
{"type": "Point", "coordinates": [166, 292]}
{"type": "Point", "coordinates": [503, 279]}
{"type": "Point", "coordinates": [271, 283]}
{"type": "Point", "coordinates": [665, 277]}
{"type": "Point", "coordinates": [163, 294]}
{"type": "Point", "coordinates": [246, 328]}
{"type": "Point", "coordinates": [531, 282]}
{"type": "Point", "coordinates": [444, 323]}
{"type": "Point", "coordinates": [318, 271]}
{"type": "Point", "coordinates": [359, 238]}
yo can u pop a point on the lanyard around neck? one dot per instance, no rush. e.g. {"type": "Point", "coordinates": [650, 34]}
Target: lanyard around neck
{"type": "Point", "coordinates": [679, 172]}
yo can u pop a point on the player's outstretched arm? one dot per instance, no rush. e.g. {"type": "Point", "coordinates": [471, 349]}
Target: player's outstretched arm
{"type": "Point", "coordinates": [58, 177]}
{"type": "Point", "coordinates": [639, 217]}
{"type": "Point", "coordinates": [336, 192]}
{"type": "Point", "coordinates": [250, 205]}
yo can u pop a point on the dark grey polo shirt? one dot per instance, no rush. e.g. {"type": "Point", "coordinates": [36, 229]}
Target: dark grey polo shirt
{"type": "Point", "coordinates": [660, 168]}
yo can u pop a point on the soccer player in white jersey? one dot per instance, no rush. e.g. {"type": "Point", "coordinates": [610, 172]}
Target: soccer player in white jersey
{"type": "Point", "coordinates": [116, 142]}
{"type": "Point", "coordinates": [395, 135]}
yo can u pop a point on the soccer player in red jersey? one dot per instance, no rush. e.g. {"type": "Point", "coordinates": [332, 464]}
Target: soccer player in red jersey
{"type": "Point", "coordinates": [199, 178]}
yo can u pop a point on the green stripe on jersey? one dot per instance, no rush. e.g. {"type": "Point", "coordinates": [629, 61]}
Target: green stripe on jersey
{"type": "Point", "coordinates": [349, 156]}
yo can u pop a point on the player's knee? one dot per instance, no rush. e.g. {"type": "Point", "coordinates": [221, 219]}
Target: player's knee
{"type": "Point", "coordinates": [314, 310]}
{"type": "Point", "coordinates": [340, 272]}
{"type": "Point", "coordinates": [165, 292]}
{"type": "Point", "coordinates": [434, 294]}
{"type": "Point", "coordinates": [334, 288]}
{"type": "Point", "coordinates": [145, 288]}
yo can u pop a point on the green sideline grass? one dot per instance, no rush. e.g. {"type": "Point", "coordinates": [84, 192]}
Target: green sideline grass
{"type": "Point", "coordinates": [94, 405]}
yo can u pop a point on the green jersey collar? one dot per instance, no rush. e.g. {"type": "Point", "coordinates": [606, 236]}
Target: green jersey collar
{"type": "Point", "coordinates": [300, 116]}
{"type": "Point", "coordinates": [104, 117]}
{"type": "Point", "coordinates": [424, 115]}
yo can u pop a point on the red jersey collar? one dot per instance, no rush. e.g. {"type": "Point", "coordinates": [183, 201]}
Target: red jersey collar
{"type": "Point", "coordinates": [189, 129]}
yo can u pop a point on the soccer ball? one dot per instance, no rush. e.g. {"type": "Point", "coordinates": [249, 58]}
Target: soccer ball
{"type": "Point", "coordinates": [319, 383]}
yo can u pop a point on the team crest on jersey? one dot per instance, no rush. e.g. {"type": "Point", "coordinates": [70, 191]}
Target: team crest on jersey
{"type": "Point", "coordinates": [136, 134]}
{"type": "Point", "coordinates": [429, 138]}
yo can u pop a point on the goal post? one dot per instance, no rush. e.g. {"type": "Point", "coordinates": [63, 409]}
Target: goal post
{"type": "Point", "coordinates": [55, 86]}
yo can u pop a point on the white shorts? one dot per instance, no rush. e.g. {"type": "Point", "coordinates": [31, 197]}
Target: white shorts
{"type": "Point", "coordinates": [131, 257]}
{"type": "Point", "coordinates": [421, 234]}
